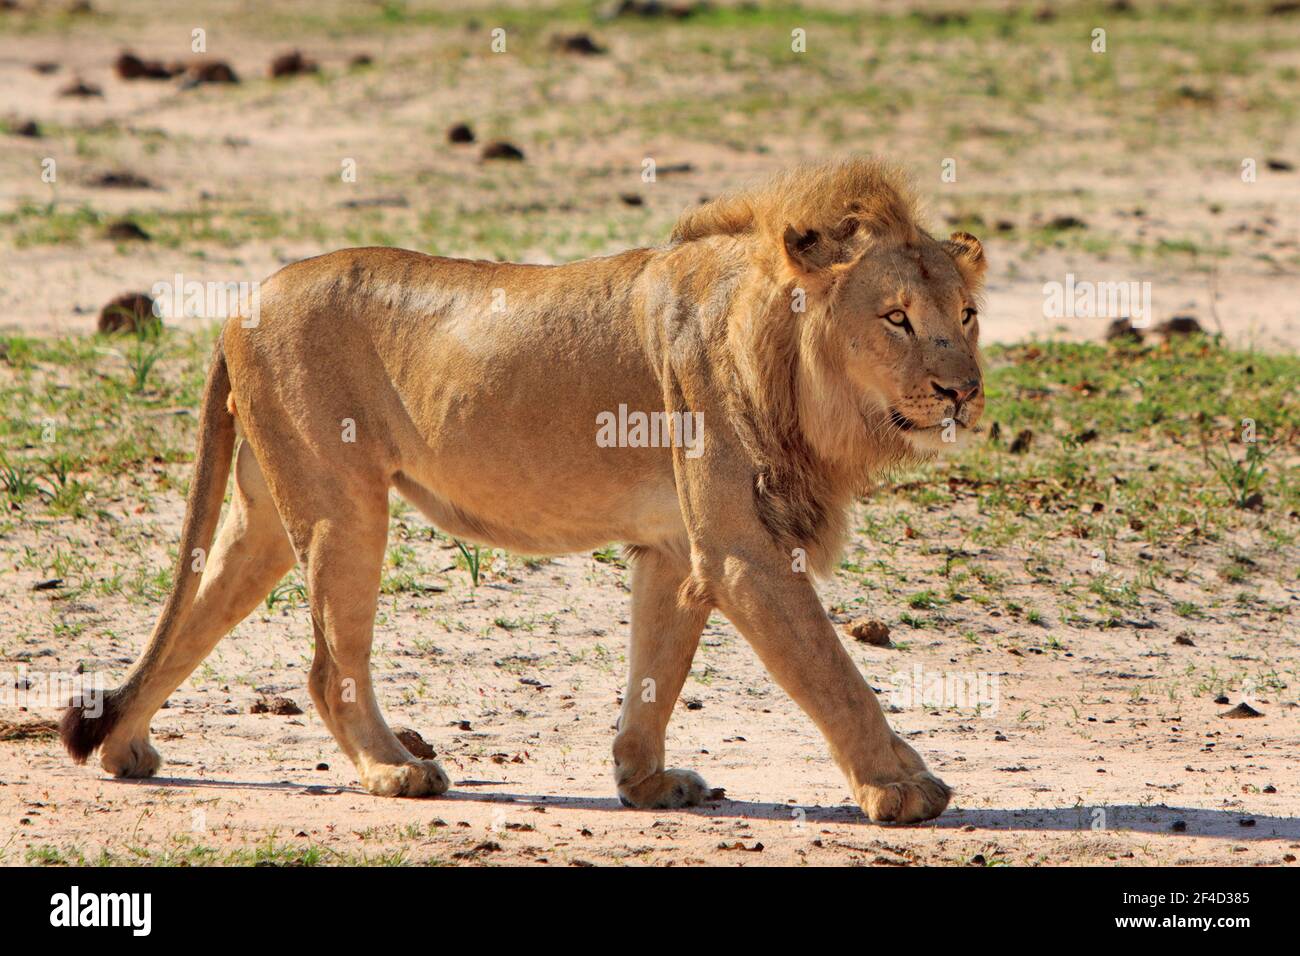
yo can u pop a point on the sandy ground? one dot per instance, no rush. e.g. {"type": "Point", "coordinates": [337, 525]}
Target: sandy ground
{"type": "Point", "coordinates": [1098, 747]}
{"type": "Point", "coordinates": [1071, 744]}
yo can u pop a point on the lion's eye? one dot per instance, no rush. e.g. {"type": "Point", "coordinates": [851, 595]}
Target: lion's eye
{"type": "Point", "coordinates": [967, 315]}
{"type": "Point", "coordinates": [899, 319]}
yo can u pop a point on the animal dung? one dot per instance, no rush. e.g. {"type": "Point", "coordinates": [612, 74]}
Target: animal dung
{"type": "Point", "coordinates": [503, 150]}
{"type": "Point", "coordinates": [870, 631]}
{"type": "Point", "coordinates": [460, 133]}
{"type": "Point", "coordinates": [292, 63]}
{"type": "Point", "coordinates": [129, 312]}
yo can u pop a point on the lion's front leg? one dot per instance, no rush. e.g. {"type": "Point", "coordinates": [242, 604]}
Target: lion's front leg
{"type": "Point", "coordinates": [779, 613]}
{"type": "Point", "coordinates": [664, 637]}
{"type": "Point", "coordinates": [739, 562]}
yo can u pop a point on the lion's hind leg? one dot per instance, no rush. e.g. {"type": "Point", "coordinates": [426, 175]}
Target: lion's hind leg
{"type": "Point", "coordinates": [250, 555]}
{"type": "Point", "coordinates": [344, 546]}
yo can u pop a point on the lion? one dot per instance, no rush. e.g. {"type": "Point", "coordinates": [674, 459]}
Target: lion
{"type": "Point", "coordinates": [809, 325]}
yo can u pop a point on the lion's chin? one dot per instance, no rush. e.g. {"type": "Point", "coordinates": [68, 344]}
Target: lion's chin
{"type": "Point", "coordinates": [938, 439]}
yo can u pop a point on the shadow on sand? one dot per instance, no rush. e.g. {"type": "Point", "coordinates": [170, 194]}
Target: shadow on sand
{"type": "Point", "coordinates": [1176, 821]}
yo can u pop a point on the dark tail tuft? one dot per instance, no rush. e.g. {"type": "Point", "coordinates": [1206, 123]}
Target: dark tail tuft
{"type": "Point", "coordinates": [84, 727]}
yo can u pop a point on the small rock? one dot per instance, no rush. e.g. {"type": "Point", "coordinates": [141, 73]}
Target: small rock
{"type": "Point", "coordinates": [211, 71]}
{"type": "Point", "coordinates": [280, 706]}
{"type": "Point", "coordinates": [651, 9]}
{"type": "Point", "coordinates": [1279, 165]}
{"type": "Point", "coordinates": [580, 43]}
{"type": "Point", "coordinates": [414, 743]}
{"type": "Point", "coordinates": [293, 63]}
{"type": "Point", "coordinates": [128, 313]}
{"type": "Point", "coordinates": [487, 846]}
{"type": "Point", "coordinates": [870, 631]}
{"type": "Point", "coordinates": [29, 128]}
{"type": "Point", "coordinates": [1122, 329]}
{"type": "Point", "coordinates": [49, 584]}
{"type": "Point", "coordinates": [1178, 325]}
{"type": "Point", "coordinates": [502, 150]}
{"type": "Point", "coordinates": [1241, 712]}
{"type": "Point", "coordinates": [631, 199]}
{"type": "Point", "coordinates": [460, 133]}
{"type": "Point", "coordinates": [670, 168]}
{"type": "Point", "coordinates": [377, 202]}
{"type": "Point", "coordinates": [130, 67]}
{"type": "Point", "coordinates": [1184, 640]}
{"type": "Point", "coordinates": [120, 179]}
{"type": "Point", "coordinates": [124, 230]}
{"type": "Point", "coordinates": [1066, 222]}
{"type": "Point", "coordinates": [80, 88]}
{"type": "Point", "coordinates": [361, 60]}
{"type": "Point", "coordinates": [1195, 94]}
{"type": "Point", "coordinates": [322, 766]}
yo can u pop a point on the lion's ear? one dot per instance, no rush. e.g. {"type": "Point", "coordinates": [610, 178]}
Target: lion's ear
{"type": "Point", "coordinates": [967, 252]}
{"type": "Point", "coordinates": [812, 251]}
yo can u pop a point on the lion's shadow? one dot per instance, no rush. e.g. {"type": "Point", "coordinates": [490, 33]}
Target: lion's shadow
{"type": "Point", "coordinates": [1177, 821]}
{"type": "Point", "coordinates": [1156, 818]}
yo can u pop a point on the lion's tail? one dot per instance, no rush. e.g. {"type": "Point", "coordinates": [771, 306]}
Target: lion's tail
{"type": "Point", "coordinates": [86, 724]}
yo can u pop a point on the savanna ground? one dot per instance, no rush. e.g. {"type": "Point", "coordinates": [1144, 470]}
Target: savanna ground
{"type": "Point", "coordinates": [1113, 582]}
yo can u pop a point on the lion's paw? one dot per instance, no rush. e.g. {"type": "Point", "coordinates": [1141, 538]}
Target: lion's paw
{"type": "Point", "coordinates": [415, 778]}
{"type": "Point", "coordinates": [668, 791]}
{"type": "Point", "coordinates": [135, 757]}
{"type": "Point", "coordinates": [919, 796]}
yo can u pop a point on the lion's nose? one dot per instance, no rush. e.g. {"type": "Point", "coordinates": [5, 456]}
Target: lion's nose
{"type": "Point", "coordinates": [959, 394]}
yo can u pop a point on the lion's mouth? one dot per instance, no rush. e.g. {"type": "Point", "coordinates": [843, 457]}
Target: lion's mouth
{"type": "Point", "coordinates": [905, 424]}
{"type": "Point", "coordinates": [900, 421]}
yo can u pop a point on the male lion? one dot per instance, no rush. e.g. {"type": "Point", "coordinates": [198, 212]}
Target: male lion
{"type": "Point", "coordinates": [810, 325]}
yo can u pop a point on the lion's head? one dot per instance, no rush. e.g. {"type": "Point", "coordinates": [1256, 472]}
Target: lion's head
{"type": "Point", "coordinates": [901, 315]}
{"type": "Point", "coordinates": [877, 319]}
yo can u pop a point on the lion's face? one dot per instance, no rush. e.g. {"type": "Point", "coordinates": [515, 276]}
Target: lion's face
{"type": "Point", "coordinates": [908, 324]}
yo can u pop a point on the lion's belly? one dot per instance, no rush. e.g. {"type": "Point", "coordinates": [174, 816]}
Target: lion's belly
{"type": "Point", "coordinates": [507, 445]}
{"type": "Point", "coordinates": [554, 518]}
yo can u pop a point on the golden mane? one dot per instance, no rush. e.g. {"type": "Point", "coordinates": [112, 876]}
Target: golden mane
{"type": "Point", "coordinates": [813, 196]}
{"type": "Point", "coordinates": [796, 417]}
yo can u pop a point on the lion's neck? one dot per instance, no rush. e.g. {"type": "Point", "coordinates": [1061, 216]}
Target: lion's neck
{"type": "Point", "coordinates": [813, 450]}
